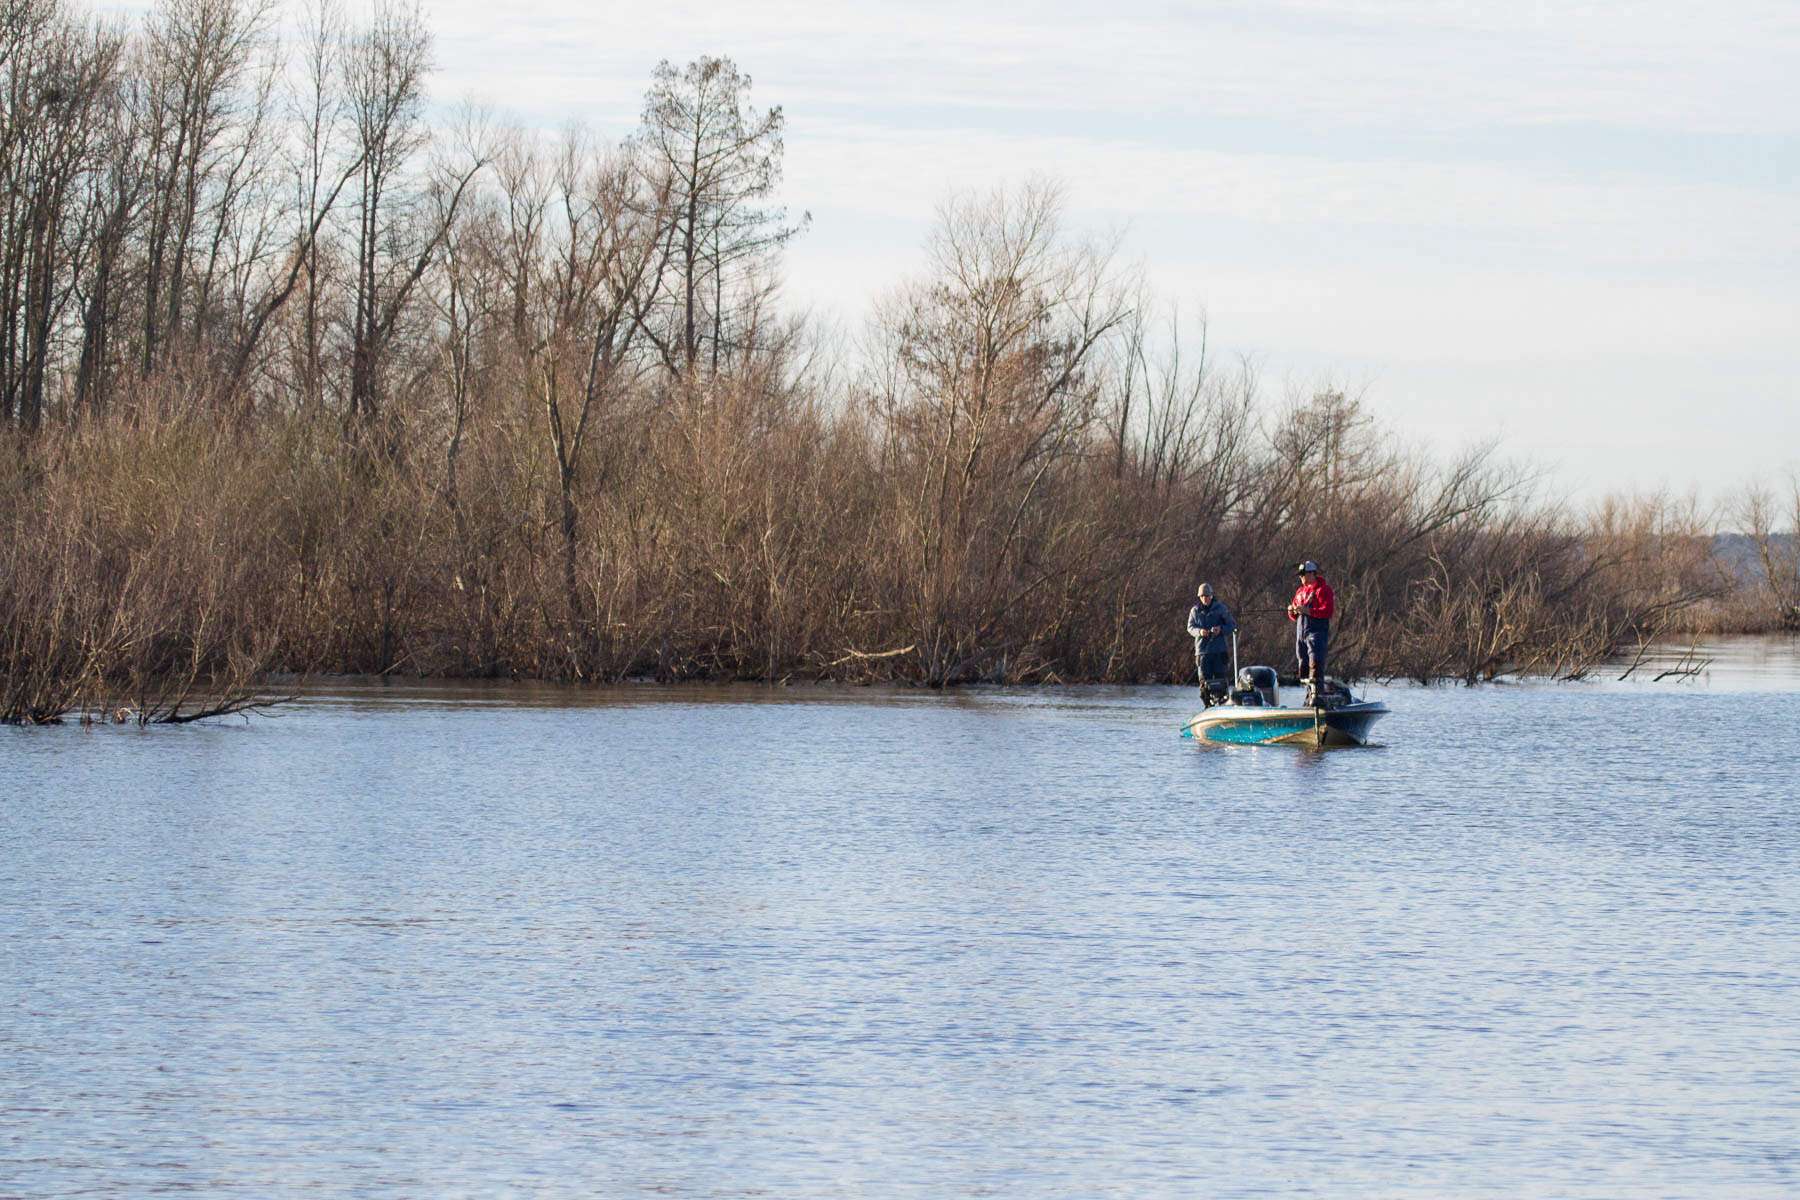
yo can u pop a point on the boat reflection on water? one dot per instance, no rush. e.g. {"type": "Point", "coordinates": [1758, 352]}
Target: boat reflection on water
{"type": "Point", "coordinates": [1252, 714]}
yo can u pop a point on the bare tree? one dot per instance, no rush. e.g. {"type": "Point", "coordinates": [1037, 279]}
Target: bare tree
{"type": "Point", "coordinates": [589, 232]}
{"type": "Point", "coordinates": [57, 79]}
{"type": "Point", "coordinates": [115, 199]}
{"type": "Point", "coordinates": [323, 160]}
{"type": "Point", "coordinates": [210, 76]}
{"type": "Point", "coordinates": [993, 384]}
{"type": "Point", "coordinates": [402, 217]}
{"type": "Point", "coordinates": [1761, 513]}
{"type": "Point", "coordinates": [719, 159]}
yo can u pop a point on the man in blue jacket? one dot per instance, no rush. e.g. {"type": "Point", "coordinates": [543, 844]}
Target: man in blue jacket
{"type": "Point", "coordinates": [1211, 625]}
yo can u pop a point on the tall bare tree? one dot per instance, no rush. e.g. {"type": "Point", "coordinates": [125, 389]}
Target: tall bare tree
{"type": "Point", "coordinates": [211, 70]}
{"type": "Point", "coordinates": [323, 159]}
{"type": "Point", "coordinates": [588, 231]}
{"type": "Point", "coordinates": [719, 159]}
{"type": "Point", "coordinates": [990, 384]}
{"type": "Point", "coordinates": [1762, 513]}
{"type": "Point", "coordinates": [58, 78]}
{"type": "Point", "coordinates": [402, 214]}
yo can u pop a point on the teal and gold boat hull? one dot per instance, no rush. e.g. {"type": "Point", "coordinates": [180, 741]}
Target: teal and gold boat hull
{"type": "Point", "coordinates": [1321, 728]}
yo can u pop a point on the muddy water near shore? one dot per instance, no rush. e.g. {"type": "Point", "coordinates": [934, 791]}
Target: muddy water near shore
{"type": "Point", "coordinates": [484, 941]}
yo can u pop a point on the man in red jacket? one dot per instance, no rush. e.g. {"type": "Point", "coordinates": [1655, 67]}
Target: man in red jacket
{"type": "Point", "coordinates": [1311, 614]}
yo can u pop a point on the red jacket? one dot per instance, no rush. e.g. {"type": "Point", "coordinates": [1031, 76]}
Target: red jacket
{"type": "Point", "coordinates": [1315, 600]}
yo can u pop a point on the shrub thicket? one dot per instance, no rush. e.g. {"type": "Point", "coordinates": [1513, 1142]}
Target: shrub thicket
{"type": "Point", "coordinates": [293, 381]}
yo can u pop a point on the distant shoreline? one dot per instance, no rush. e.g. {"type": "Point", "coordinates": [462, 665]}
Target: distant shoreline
{"type": "Point", "coordinates": [1675, 658]}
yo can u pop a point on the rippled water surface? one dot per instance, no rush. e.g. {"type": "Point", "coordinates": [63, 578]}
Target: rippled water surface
{"type": "Point", "coordinates": [821, 943]}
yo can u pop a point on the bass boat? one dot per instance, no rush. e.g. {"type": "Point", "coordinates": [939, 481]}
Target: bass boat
{"type": "Point", "coordinates": [1251, 714]}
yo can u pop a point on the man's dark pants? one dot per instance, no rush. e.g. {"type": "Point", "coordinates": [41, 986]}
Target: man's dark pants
{"type": "Point", "coordinates": [1312, 637]}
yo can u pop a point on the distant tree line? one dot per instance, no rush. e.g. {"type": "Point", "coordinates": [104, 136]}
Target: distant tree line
{"type": "Point", "coordinates": [279, 226]}
{"type": "Point", "coordinates": [295, 377]}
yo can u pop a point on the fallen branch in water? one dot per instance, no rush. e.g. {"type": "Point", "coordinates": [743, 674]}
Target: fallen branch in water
{"type": "Point", "coordinates": [865, 656]}
{"type": "Point", "coordinates": [1638, 661]}
{"type": "Point", "coordinates": [1687, 666]}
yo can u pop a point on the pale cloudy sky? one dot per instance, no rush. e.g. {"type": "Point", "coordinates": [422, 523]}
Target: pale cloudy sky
{"type": "Point", "coordinates": [1571, 224]}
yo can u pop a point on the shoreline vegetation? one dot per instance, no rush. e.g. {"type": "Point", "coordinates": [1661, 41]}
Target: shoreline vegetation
{"type": "Point", "coordinates": [299, 376]}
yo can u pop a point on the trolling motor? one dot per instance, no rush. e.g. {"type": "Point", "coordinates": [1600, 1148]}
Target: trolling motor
{"type": "Point", "coordinates": [1209, 697]}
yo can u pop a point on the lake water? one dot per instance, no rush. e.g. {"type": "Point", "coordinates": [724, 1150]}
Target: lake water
{"type": "Point", "coordinates": [435, 942]}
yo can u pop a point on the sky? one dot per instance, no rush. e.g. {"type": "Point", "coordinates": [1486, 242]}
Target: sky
{"type": "Point", "coordinates": [1570, 225]}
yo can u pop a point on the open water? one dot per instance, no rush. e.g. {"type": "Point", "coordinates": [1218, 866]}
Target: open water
{"type": "Point", "coordinates": [436, 942]}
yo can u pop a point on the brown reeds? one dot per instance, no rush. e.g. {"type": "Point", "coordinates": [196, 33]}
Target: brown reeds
{"type": "Point", "coordinates": [477, 405]}
{"type": "Point", "coordinates": [162, 563]}
{"type": "Point", "coordinates": [135, 574]}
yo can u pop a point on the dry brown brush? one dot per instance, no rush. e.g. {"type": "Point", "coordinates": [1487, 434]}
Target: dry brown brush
{"type": "Point", "coordinates": [292, 380]}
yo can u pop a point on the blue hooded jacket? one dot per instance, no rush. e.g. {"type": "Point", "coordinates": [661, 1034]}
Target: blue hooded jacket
{"type": "Point", "coordinates": [1205, 617]}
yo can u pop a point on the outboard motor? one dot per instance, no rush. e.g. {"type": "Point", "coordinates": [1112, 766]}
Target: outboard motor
{"type": "Point", "coordinates": [1262, 682]}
